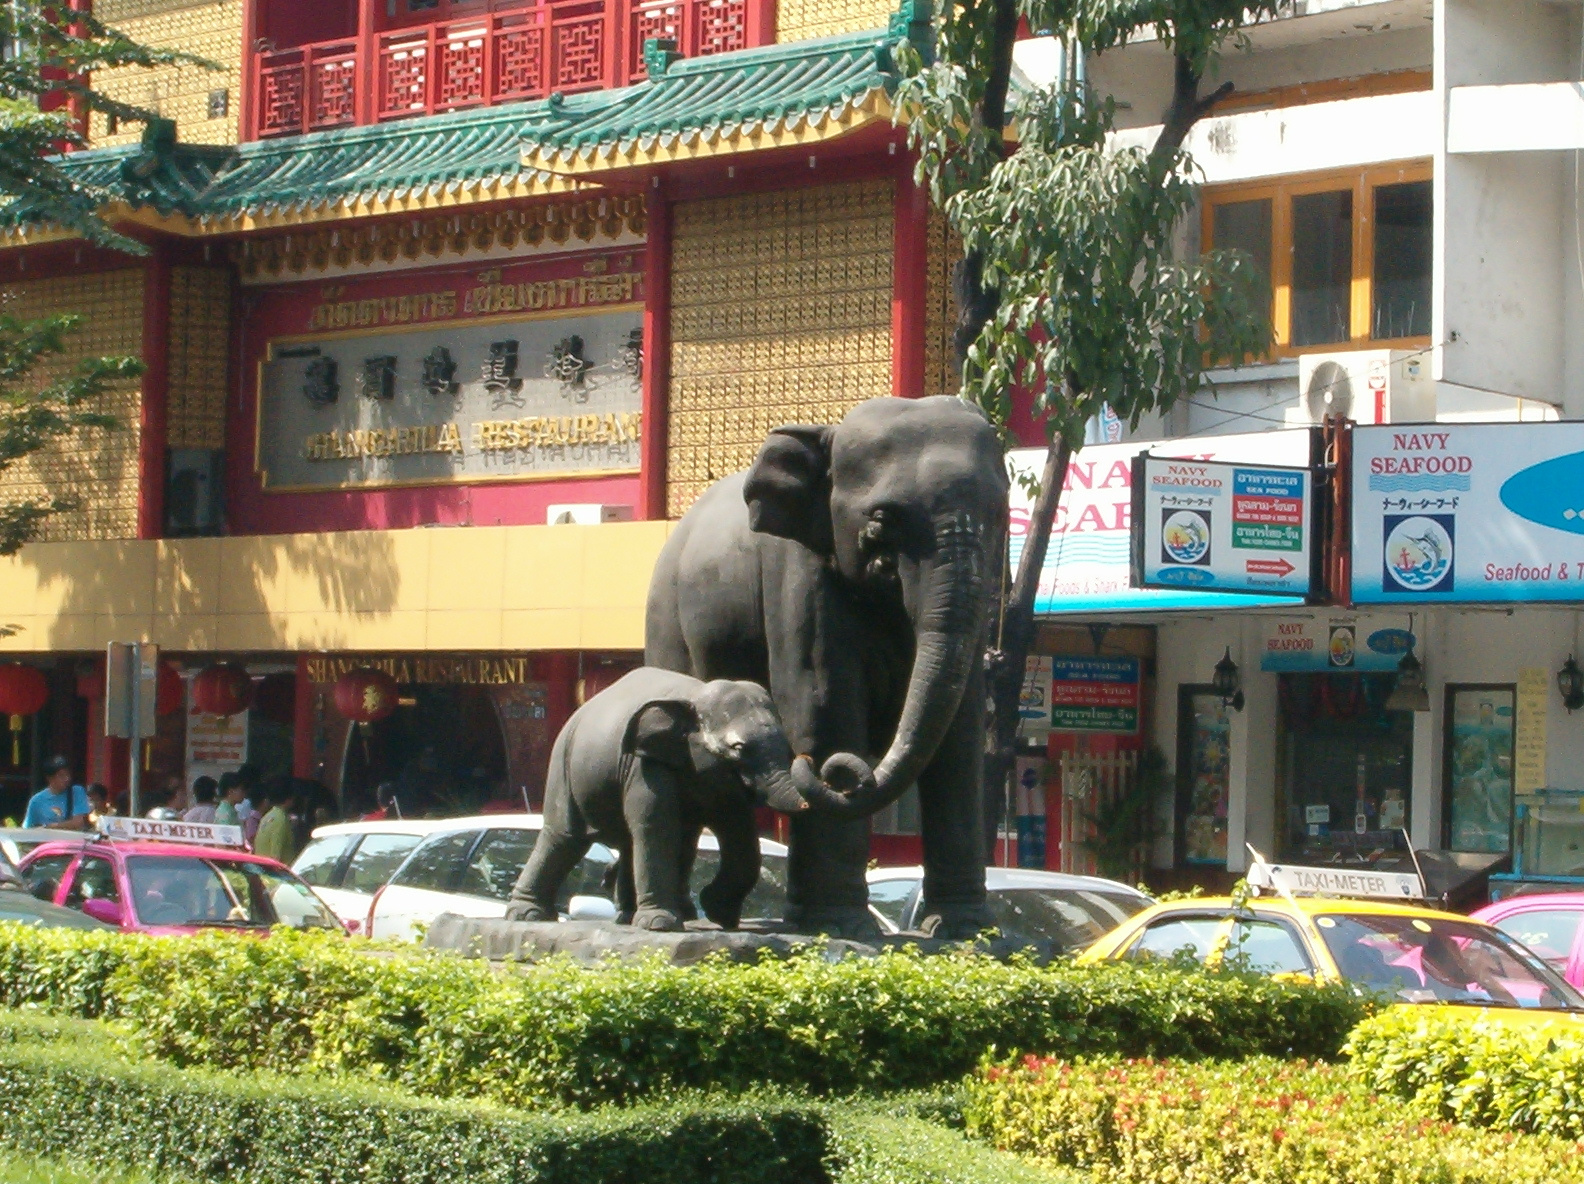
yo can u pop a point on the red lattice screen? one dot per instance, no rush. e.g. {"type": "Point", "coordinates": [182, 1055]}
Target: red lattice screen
{"type": "Point", "coordinates": [524, 52]}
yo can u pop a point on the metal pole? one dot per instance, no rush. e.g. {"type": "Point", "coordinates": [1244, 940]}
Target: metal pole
{"type": "Point", "coordinates": [135, 742]}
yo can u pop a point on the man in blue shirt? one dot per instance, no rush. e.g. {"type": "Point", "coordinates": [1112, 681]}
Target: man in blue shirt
{"type": "Point", "coordinates": [60, 804]}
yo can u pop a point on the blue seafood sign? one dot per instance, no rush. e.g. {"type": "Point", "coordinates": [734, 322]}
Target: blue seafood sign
{"type": "Point", "coordinates": [1550, 493]}
{"type": "Point", "coordinates": [1468, 513]}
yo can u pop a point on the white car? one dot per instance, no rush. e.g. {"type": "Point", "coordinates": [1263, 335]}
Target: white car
{"type": "Point", "coordinates": [348, 862]}
{"type": "Point", "coordinates": [17, 841]}
{"type": "Point", "coordinates": [1068, 911]}
{"type": "Point", "coordinates": [469, 865]}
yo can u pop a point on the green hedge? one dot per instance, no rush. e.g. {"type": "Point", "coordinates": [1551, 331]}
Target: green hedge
{"type": "Point", "coordinates": [1256, 1122]}
{"type": "Point", "coordinates": [1483, 1073]}
{"type": "Point", "coordinates": [66, 1091]}
{"type": "Point", "coordinates": [447, 1026]}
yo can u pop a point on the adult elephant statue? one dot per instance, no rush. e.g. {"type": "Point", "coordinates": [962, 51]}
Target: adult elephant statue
{"type": "Point", "coordinates": [851, 571]}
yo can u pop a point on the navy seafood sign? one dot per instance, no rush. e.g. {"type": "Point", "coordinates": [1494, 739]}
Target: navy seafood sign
{"type": "Point", "coordinates": [1222, 527]}
{"type": "Point", "coordinates": [1446, 513]}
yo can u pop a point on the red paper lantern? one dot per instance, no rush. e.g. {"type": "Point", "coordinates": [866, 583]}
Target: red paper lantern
{"type": "Point", "coordinates": [366, 695]}
{"type": "Point", "coordinates": [23, 690]}
{"type": "Point", "coordinates": [169, 691]}
{"type": "Point", "coordinates": [222, 689]}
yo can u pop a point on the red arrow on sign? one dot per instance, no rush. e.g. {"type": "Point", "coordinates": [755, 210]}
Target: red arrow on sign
{"type": "Point", "coordinates": [1268, 567]}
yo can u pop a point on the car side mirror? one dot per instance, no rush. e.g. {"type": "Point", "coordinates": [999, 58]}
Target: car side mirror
{"type": "Point", "coordinates": [107, 911]}
{"type": "Point", "coordinates": [591, 908]}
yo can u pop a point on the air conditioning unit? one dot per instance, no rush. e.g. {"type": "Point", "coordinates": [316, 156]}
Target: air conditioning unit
{"type": "Point", "coordinates": [1366, 386]}
{"type": "Point", "coordinates": [586, 514]}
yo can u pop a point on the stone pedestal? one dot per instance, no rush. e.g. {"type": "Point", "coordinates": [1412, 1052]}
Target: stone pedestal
{"type": "Point", "coordinates": [592, 942]}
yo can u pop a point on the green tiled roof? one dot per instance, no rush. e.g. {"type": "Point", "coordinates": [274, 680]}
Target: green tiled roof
{"type": "Point", "coordinates": [709, 98]}
{"type": "Point", "coordinates": [779, 86]}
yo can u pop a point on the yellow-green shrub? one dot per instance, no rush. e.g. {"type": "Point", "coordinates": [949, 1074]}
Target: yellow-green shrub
{"type": "Point", "coordinates": [1475, 1069]}
{"type": "Point", "coordinates": [1258, 1121]}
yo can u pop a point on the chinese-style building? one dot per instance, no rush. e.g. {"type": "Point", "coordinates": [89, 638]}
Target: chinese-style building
{"type": "Point", "coordinates": [448, 309]}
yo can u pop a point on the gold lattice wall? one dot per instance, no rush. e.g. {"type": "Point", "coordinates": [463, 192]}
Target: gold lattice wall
{"type": "Point", "coordinates": [943, 249]}
{"type": "Point", "coordinates": [780, 313]}
{"type": "Point", "coordinates": [99, 467]}
{"type": "Point", "coordinates": [200, 338]}
{"type": "Point", "coordinates": [800, 20]}
{"type": "Point", "coordinates": [211, 29]}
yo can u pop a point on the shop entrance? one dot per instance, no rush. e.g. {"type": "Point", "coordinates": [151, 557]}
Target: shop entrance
{"type": "Point", "coordinates": [442, 750]}
{"type": "Point", "coordinates": [1345, 768]}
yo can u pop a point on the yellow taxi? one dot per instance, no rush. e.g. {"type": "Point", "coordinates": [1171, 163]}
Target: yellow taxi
{"type": "Point", "coordinates": [1401, 952]}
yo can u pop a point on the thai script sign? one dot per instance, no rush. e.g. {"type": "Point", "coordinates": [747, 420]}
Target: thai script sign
{"type": "Point", "coordinates": [1095, 695]}
{"type": "Point", "coordinates": [1088, 566]}
{"type": "Point", "coordinates": [1447, 513]}
{"type": "Point", "coordinates": [1222, 527]}
{"type": "Point", "coordinates": [500, 374]}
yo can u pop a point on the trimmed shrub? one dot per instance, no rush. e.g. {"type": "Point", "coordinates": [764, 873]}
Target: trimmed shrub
{"type": "Point", "coordinates": [446, 1026]}
{"type": "Point", "coordinates": [64, 1091]}
{"type": "Point", "coordinates": [1483, 1073]}
{"type": "Point", "coordinates": [1256, 1122]}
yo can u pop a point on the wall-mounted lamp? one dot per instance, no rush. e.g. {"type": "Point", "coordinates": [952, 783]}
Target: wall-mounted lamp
{"type": "Point", "coordinates": [1227, 682]}
{"type": "Point", "coordinates": [1410, 693]}
{"type": "Point", "coordinates": [1570, 681]}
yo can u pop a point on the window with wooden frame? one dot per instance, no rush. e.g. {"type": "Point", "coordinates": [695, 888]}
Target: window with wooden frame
{"type": "Point", "coordinates": [1345, 257]}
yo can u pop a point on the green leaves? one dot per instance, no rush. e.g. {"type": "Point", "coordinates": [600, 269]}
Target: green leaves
{"type": "Point", "coordinates": [561, 1033]}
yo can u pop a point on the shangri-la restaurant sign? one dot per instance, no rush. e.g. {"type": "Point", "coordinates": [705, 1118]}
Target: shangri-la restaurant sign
{"type": "Point", "coordinates": [517, 371]}
{"type": "Point", "coordinates": [427, 669]}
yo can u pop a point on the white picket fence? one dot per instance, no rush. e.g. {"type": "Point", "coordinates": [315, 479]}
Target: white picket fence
{"type": "Point", "coordinates": [1090, 781]}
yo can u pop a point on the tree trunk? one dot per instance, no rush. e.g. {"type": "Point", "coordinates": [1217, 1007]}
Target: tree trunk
{"type": "Point", "coordinates": [1004, 681]}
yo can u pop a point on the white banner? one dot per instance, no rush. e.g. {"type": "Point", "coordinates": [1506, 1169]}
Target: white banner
{"type": "Point", "coordinates": [1447, 513]}
{"type": "Point", "coordinates": [1087, 566]}
{"type": "Point", "coordinates": [1034, 701]}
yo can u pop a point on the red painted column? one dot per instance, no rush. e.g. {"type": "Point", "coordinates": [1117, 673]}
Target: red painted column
{"type": "Point", "coordinates": [761, 23]}
{"type": "Point", "coordinates": [247, 101]}
{"type": "Point", "coordinates": [363, 79]}
{"type": "Point", "coordinates": [908, 283]}
{"type": "Point", "coordinates": [656, 352]}
{"type": "Point", "coordinates": [156, 389]}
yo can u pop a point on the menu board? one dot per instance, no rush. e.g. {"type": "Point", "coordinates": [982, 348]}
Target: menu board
{"type": "Point", "coordinates": [1529, 754]}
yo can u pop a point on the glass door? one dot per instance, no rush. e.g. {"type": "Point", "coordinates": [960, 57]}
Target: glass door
{"type": "Point", "coordinates": [1204, 747]}
{"type": "Point", "coordinates": [1479, 766]}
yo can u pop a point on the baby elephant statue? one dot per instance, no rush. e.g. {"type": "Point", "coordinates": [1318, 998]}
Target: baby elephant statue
{"type": "Point", "coordinates": [643, 767]}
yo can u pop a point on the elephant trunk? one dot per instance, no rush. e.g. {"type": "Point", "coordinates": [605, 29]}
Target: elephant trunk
{"type": "Point", "coordinates": [780, 791]}
{"type": "Point", "coordinates": [948, 621]}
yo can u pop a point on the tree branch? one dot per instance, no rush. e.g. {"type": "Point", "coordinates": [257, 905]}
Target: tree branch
{"type": "Point", "coordinates": [1186, 109]}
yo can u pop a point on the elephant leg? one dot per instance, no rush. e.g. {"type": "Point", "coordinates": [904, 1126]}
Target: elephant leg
{"type": "Point", "coordinates": [723, 897]}
{"type": "Point", "coordinates": [652, 805]}
{"type": "Point", "coordinates": [951, 807]}
{"type": "Point", "coordinates": [626, 894]}
{"type": "Point", "coordinates": [563, 841]}
{"type": "Point", "coordinates": [687, 847]}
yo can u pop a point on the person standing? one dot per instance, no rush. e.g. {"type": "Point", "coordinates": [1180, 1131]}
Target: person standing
{"type": "Point", "coordinates": [232, 792]}
{"type": "Point", "coordinates": [274, 837]}
{"type": "Point", "coordinates": [60, 804]}
{"type": "Point", "coordinates": [204, 790]}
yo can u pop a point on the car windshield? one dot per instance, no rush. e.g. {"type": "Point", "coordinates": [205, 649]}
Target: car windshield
{"type": "Point", "coordinates": [182, 890]}
{"type": "Point", "coordinates": [768, 898]}
{"type": "Point", "coordinates": [1070, 919]}
{"type": "Point", "coordinates": [1431, 960]}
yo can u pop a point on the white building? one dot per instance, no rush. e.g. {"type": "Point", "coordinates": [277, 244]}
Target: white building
{"type": "Point", "coordinates": [1407, 174]}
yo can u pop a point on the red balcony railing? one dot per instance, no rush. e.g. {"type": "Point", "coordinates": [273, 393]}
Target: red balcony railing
{"type": "Point", "coordinates": [520, 53]}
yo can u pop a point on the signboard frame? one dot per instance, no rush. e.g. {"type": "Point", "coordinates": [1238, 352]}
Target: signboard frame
{"type": "Point", "coordinates": [1470, 509]}
{"type": "Point", "coordinates": [1311, 550]}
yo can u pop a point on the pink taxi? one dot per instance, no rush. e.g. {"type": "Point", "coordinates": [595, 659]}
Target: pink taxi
{"type": "Point", "coordinates": [160, 886]}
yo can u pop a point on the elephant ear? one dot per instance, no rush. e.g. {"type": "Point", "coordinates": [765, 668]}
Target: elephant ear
{"type": "Point", "coordinates": [659, 730]}
{"type": "Point", "coordinates": [788, 487]}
